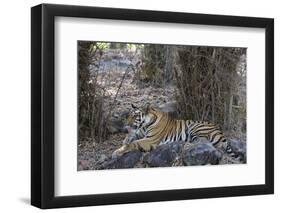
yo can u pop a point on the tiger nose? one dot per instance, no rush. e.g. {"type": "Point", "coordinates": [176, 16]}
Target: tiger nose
{"type": "Point", "coordinates": [129, 123]}
{"type": "Point", "coordinates": [128, 129]}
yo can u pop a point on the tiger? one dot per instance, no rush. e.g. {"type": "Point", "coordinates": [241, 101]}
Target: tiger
{"type": "Point", "coordinates": [133, 134]}
{"type": "Point", "coordinates": [152, 127]}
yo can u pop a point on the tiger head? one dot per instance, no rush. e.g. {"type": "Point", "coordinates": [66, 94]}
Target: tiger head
{"type": "Point", "coordinates": [140, 116]}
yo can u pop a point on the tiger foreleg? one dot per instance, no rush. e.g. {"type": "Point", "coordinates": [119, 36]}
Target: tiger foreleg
{"type": "Point", "coordinates": [121, 151]}
{"type": "Point", "coordinates": [143, 145]}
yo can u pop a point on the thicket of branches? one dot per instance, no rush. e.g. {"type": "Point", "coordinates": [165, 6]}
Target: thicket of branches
{"type": "Point", "coordinates": [91, 96]}
{"type": "Point", "coordinates": [211, 86]}
{"type": "Point", "coordinates": [95, 104]}
{"type": "Point", "coordinates": [158, 61]}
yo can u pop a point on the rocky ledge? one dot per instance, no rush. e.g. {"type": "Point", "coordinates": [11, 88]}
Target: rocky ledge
{"type": "Point", "coordinates": [178, 154]}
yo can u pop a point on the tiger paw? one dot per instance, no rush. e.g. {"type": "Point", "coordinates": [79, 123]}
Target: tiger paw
{"type": "Point", "coordinates": [119, 152]}
{"type": "Point", "coordinates": [116, 154]}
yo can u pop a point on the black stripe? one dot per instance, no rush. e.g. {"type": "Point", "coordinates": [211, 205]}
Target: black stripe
{"type": "Point", "coordinates": [204, 129]}
{"type": "Point", "coordinates": [214, 135]}
{"type": "Point", "coordinates": [195, 127]}
{"type": "Point", "coordinates": [222, 139]}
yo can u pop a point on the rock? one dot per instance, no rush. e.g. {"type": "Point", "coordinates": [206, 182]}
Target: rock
{"type": "Point", "coordinates": [162, 156]}
{"type": "Point", "coordinates": [128, 160]}
{"type": "Point", "coordinates": [83, 165]}
{"type": "Point", "coordinates": [118, 122]}
{"type": "Point", "coordinates": [200, 153]}
{"type": "Point", "coordinates": [239, 149]}
{"type": "Point", "coordinates": [178, 153]}
{"type": "Point", "coordinates": [102, 158]}
{"type": "Point", "coordinates": [87, 159]}
{"type": "Point", "coordinates": [124, 115]}
{"type": "Point", "coordinates": [116, 126]}
{"type": "Point", "coordinates": [170, 107]}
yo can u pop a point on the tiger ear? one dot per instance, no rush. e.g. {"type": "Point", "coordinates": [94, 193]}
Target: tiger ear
{"type": "Point", "coordinates": [133, 106]}
{"type": "Point", "coordinates": [146, 107]}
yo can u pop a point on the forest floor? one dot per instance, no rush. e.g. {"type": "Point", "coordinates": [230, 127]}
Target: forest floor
{"type": "Point", "coordinates": [91, 154]}
{"type": "Point", "coordinates": [132, 93]}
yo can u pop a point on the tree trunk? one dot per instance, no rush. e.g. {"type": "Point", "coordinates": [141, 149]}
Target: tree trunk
{"type": "Point", "coordinates": [229, 112]}
{"type": "Point", "coordinates": [212, 85]}
{"type": "Point", "coordinates": [169, 60]}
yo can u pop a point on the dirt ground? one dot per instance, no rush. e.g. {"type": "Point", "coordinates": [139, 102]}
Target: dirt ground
{"type": "Point", "coordinates": [90, 153]}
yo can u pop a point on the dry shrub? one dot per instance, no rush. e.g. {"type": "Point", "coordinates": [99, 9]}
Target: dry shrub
{"type": "Point", "coordinates": [91, 96]}
{"type": "Point", "coordinates": [212, 86]}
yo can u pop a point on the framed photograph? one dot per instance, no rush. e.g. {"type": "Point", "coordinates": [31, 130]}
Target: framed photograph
{"type": "Point", "coordinates": [139, 106]}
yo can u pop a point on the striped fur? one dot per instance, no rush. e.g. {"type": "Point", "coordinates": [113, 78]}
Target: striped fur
{"type": "Point", "coordinates": [134, 134]}
{"type": "Point", "coordinates": [153, 128]}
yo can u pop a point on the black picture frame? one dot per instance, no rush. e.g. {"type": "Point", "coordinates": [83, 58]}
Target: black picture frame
{"type": "Point", "coordinates": [43, 102]}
